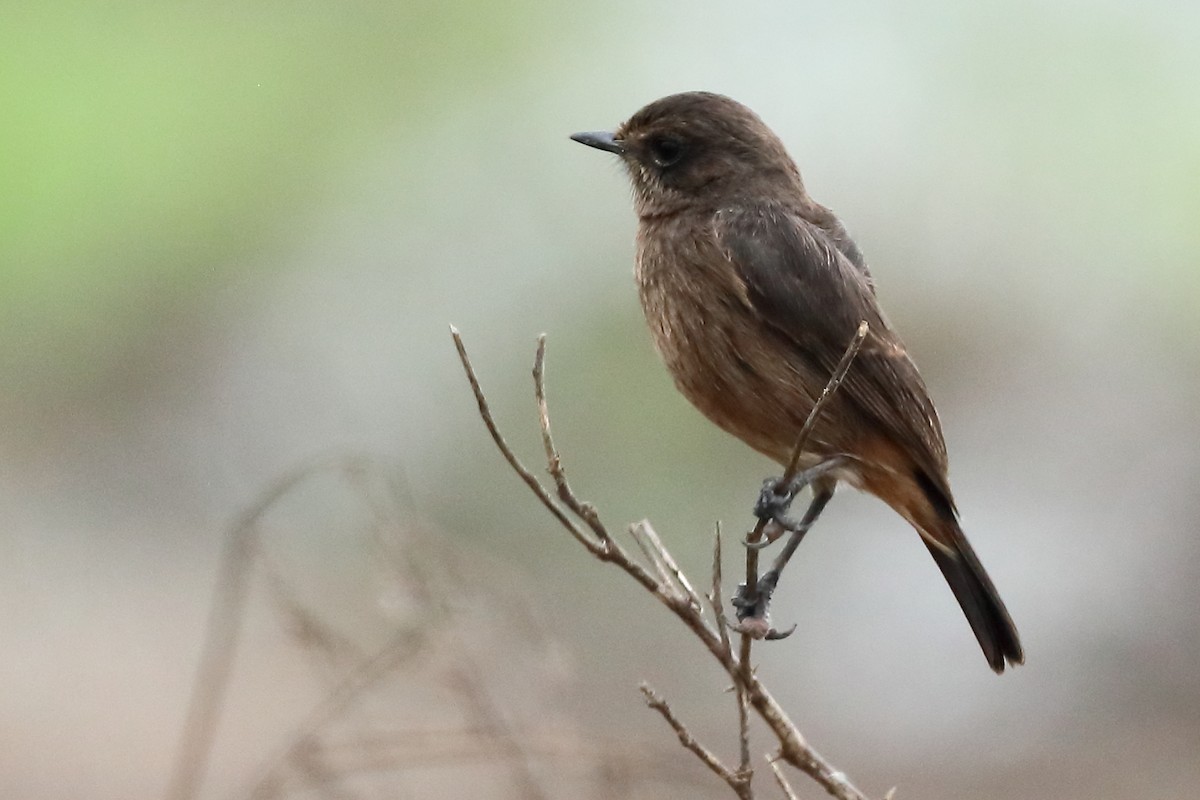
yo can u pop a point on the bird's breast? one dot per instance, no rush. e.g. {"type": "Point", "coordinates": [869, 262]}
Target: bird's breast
{"type": "Point", "coordinates": [722, 356]}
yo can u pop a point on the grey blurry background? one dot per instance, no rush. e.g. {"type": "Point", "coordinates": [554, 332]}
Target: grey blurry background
{"type": "Point", "coordinates": [232, 237]}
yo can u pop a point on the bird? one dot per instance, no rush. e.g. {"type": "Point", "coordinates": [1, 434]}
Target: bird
{"type": "Point", "coordinates": [752, 292]}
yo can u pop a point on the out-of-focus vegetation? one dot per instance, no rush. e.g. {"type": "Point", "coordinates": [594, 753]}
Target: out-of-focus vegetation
{"type": "Point", "coordinates": [151, 149]}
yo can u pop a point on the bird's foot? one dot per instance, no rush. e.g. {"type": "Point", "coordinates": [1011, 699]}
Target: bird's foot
{"type": "Point", "coordinates": [753, 609]}
{"type": "Point", "coordinates": [774, 501]}
{"type": "Point", "coordinates": [771, 532]}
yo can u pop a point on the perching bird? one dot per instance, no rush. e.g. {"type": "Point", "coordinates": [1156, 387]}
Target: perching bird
{"type": "Point", "coordinates": [753, 291]}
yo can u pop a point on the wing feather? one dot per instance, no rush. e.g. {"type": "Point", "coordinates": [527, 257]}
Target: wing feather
{"type": "Point", "coordinates": [802, 283]}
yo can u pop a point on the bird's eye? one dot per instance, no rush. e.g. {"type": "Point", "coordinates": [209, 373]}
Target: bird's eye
{"type": "Point", "coordinates": [665, 151]}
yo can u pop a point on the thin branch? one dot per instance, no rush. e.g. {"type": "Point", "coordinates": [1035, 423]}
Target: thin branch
{"type": "Point", "coordinates": [743, 709]}
{"type": "Point", "coordinates": [788, 792]}
{"type": "Point", "coordinates": [714, 597]}
{"type": "Point", "coordinates": [669, 572]}
{"type": "Point", "coordinates": [743, 676]}
{"type": "Point", "coordinates": [835, 381]}
{"type": "Point", "coordinates": [665, 582]}
{"type": "Point", "coordinates": [511, 457]}
{"type": "Point", "coordinates": [792, 746]}
{"type": "Point", "coordinates": [584, 511]}
{"type": "Point", "coordinates": [737, 781]}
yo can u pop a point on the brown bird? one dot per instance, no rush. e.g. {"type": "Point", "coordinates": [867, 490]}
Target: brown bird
{"type": "Point", "coordinates": [753, 291]}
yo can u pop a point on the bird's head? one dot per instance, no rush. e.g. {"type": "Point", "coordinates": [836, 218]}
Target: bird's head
{"type": "Point", "coordinates": [697, 149]}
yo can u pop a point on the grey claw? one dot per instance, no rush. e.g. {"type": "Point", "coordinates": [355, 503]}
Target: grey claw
{"type": "Point", "coordinates": [774, 635]}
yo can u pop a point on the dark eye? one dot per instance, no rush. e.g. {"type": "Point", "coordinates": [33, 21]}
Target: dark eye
{"type": "Point", "coordinates": [665, 151]}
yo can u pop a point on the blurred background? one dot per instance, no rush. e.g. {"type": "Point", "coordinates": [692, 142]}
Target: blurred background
{"type": "Point", "coordinates": [232, 237]}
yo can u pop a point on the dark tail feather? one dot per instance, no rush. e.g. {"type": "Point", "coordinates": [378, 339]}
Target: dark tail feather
{"type": "Point", "coordinates": [975, 593]}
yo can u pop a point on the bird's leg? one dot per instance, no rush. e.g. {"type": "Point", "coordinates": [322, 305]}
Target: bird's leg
{"type": "Point", "coordinates": [773, 503]}
{"type": "Point", "coordinates": [822, 494]}
{"type": "Point", "coordinates": [753, 605]}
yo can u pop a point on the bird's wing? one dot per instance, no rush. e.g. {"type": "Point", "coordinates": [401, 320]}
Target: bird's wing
{"type": "Point", "coordinates": [804, 286]}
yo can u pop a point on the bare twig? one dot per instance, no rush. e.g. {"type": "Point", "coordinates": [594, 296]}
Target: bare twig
{"type": "Point", "coordinates": [792, 746]}
{"type": "Point", "coordinates": [669, 572]}
{"type": "Point", "coordinates": [532, 482]}
{"type": "Point", "coordinates": [584, 511]}
{"type": "Point", "coordinates": [738, 781]}
{"type": "Point", "coordinates": [835, 381]}
{"type": "Point", "coordinates": [714, 597]}
{"type": "Point", "coordinates": [743, 676]}
{"type": "Point", "coordinates": [638, 532]}
{"type": "Point", "coordinates": [743, 709]}
{"type": "Point", "coordinates": [788, 792]}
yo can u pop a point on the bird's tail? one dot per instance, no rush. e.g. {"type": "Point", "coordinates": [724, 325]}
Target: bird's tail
{"type": "Point", "coordinates": [976, 594]}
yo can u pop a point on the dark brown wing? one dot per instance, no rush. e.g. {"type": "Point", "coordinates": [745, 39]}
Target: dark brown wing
{"type": "Point", "coordinates": [804, 286]}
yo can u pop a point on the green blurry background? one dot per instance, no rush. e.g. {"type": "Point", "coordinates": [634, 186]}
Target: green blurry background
{"type": "Point", "coordinates": [232, 236]}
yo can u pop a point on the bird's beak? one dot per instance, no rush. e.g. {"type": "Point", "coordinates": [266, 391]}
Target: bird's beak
{"type": "Point", "coordinates": [601, 140]}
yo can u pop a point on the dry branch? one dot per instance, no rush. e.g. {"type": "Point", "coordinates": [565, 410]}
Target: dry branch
{"type": "Point", "coordinates": [738, 780]}
{"type": "Point", "coordinates": [788, 792]}
{"type": "Point", "coordinates": [314, 755]}
{"type": "Point", "coordinates": [666, 581]}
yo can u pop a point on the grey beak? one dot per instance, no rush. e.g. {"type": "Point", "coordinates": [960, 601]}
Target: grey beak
{"type": "Point", "coordinates": [601, 140]}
